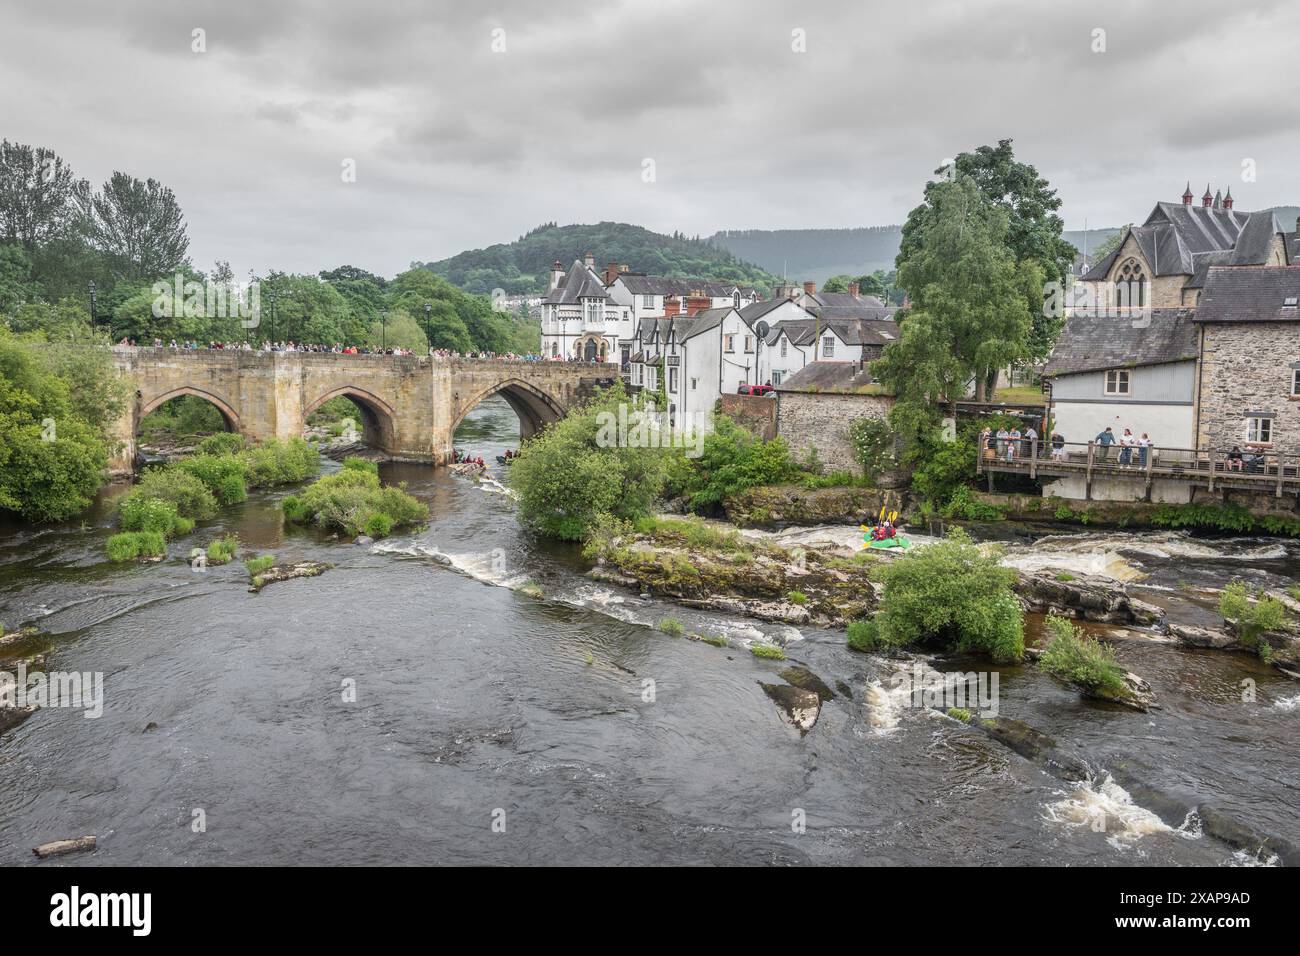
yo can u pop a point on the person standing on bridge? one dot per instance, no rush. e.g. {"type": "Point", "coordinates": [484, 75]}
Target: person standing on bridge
{"type": "Point", "coordinates": [1105, 440]}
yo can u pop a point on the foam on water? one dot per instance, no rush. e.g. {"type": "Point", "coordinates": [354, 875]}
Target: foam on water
{"type": "Point", "coordinates": [1106, 807]}
{"type": "Point", "coordinates": [1288, 703]}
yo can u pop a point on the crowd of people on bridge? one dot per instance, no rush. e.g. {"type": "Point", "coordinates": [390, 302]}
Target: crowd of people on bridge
{"type": "Point", "coordinates": [337, 348]}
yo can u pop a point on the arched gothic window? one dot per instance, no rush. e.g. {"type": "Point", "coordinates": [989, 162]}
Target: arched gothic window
{"type": "Point", "coordinates": [1132, 286]}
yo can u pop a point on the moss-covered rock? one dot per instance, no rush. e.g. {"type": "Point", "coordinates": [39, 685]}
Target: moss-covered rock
{"type": "Point", "coordinates": [775, 506]}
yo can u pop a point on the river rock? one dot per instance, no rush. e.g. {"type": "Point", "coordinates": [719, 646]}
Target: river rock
{"type": "Point", "coordinates": [64, 847]}
{"type": "Point", "coordinates": [303, 569]}
{"type": "Point", "coordinates": [1190, 635]}
{"type": "Point", "coordinates": [11, 717]}
{"type": "Point", "coordinates": [800, 676]}
{"type": "Point", "coordinates": [1034, 745]}
{"type": "Point", "coordinates": [775, 506]}
{"type": "Point", "coordinates": [1087, 597]}
{"type": "Point", "coordinates": [363, 539]}
{"type": "Point", "coordinates": [800, 707]}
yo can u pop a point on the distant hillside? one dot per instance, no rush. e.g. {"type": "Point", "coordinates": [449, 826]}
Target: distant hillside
{"type": "Point", "coordinates": [523, 266]}
{"type": "Point", "coordinates": [816, 254]}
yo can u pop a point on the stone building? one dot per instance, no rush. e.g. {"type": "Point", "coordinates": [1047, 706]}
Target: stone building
{"type": "Point", "coordinates": [1249, 369]}
{"type": "Point", "coordinates": [816, 405]}
{"type": "Point", "coordinates": [1163, 263]}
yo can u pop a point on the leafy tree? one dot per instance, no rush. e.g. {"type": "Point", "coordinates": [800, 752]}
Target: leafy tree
{"type": "Point", "coordinates": [731, 460]}
{"type": "Point", "coordinates": [572, 476]}
{"type": "Point", "coordinates": [38, 195]}
{"type": "Point", "coordinates": [969, 316]}
{"type": "Point", "coordinates": [400, 332]}
{"type": "Point", "coordinates": [138, 227]}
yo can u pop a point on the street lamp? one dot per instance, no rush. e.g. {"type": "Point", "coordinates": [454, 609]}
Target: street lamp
{"type": "Point", "coordinates": [270, 294]}
{"type": "Point", "coordinates": [428, 325]}
{"type": "Point", "coordinates": [383, 317]}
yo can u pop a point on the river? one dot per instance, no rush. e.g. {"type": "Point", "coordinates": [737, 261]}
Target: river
{"type": "Point", "coordinates": [494, 727]}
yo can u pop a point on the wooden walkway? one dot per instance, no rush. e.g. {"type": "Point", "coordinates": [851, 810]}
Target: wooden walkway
{"type": "Point", "coordinates": [1261, 470]}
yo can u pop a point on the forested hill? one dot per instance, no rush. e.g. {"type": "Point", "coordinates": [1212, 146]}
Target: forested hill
{"type": "Point", "coordinates": [524, 265]}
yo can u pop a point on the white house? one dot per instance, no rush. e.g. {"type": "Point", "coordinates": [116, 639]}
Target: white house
{"type": "Point", "coordinates": [580, 320]}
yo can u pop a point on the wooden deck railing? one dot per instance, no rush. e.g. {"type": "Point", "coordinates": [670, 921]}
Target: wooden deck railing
{"type": "Point", "coordinates": [1262, 468]}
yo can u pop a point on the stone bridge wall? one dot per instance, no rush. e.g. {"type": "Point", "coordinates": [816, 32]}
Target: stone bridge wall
{"type": "Point", "coordinates": [410, 405]}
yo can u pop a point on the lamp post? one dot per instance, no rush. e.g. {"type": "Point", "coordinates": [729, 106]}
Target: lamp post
{"type": "Point", "coordinates": [270, 295]}
{"type": "Point", "coordinates": [428, 325]}
{"type": "Point", "coordinates": [93, 308]}
{"type": "Point", "coordinates": [383, 318]}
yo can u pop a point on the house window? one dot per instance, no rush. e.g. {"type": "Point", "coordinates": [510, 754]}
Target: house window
{"type": "Point", "coordinates": [729, 343]}
{"type": "Point", "coordinates": [784, 343]}
{"type": "Point", "coordinates": [1295, 382]}
{"type": "Point", "coordinates": [694, 382]}
{"type": "Point", "coordinates": [651, 377]}
{"type": "Point", "coordinates": [672, 379]}
{"type": "Point", "coordinates": [1259, 430]}
{"type": "Point", "coordinates": [636, 374]}
{"type": "Point", "coordinates": [647, 302]}
{"type": "Point", "coordinates": [828, 347]}
{"type": "Point", "coordinates": [749, 343]}
{"type": "Point", "coordinates": [736, 299]}
{"type": "Point", "coordinates": [776, 377]}
{"type": "Point", "coordinates": [1117, 382]}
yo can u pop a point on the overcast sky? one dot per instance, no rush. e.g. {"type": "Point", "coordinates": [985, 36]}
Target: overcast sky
{"type": "Point", "coordinates": [458, 146]}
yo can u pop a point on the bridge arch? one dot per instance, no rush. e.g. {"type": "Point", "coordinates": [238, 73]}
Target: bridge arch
{"type": "Point", "coordinates": [534, 406]}
{"type": "Point", "coordinates": [378, 417]}
{"type": "Point", "coordinates": [227, 410]}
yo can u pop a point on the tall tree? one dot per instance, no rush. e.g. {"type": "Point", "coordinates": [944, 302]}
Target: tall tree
{"type": "Point", "coordinates": [139, 227]}
{"type": "Point", "coordinates": [969, 315]}
{"type": "Point", "coordinates": [38, 195]}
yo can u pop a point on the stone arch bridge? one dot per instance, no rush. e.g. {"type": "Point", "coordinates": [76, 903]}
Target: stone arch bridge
{"type": "Point", "coordinates": [410, 405]}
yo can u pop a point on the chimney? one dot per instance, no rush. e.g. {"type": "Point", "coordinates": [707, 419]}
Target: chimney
{"type": "Point", "coordinates": [1218, 199]}
{"type": "Point", "coordinates": [1207, 199]}
{"type": "Point", "coordinates": [810, 288]}
{"type": "Point", "coordinates": [853, 288]}
{"type": "Point", "coordinates": [557, 273]}
{"type": "Point", "coordinates": [1187, 194]}
{"type": "Point", "coordinates": [1227, 200]}
{"type": "Point", "coordinates": [697, 301]}
{"type": "Point", "coordinates": [611, 273]}
{"type": "Point", "coordinates": [623, 267]}
{"type": "Point", "coordinates": [672, 306]}
{"type": "Point", "coordinates": [590, 259]}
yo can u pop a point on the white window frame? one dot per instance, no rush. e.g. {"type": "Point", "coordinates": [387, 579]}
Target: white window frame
{"type": "Point", "coordinates": [647, 301]}
{"type": "Point", "coordinates": [672, 379]}
{"type": "Point", "coordinates": [784, 346]}
{"type": "Point", "coordinates": [1118, 382]}
{"type": "Point", "coordinates": [1295, 383]}
{"type": "Point", "coordinates": [828, 346]}
{"type": "Point", "coordinates": [776, 377]}
{"type": "Point", "coordinates": [651, 377]}
{"type": "Point", "coordinates": [749, 344]}
{"type": "Point", "coordinates": [1259, 430]}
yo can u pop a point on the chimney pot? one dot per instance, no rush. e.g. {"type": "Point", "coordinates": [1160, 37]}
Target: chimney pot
{"type": "Point", "coordinates": [589, 259]}
{"type": "Point", "coordinates": [853, 288]}
{"type": "Point", "coordinates": [810, 287]}
{"type": "Point", "coordinates": [672, 306]}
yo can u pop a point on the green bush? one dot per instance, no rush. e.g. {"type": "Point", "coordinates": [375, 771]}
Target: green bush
{"type": "Point", "coordinates": [223, 550]}
{"type": "Point", "coordinates": [1252, 613]}
{"type": "Point", "coordinates": [187, 492]}
{"type": "Point", "coordinates": [379, 525]}
{"type": "Point", "coordinates": [670, 625]}
{"type": "Point", "coordinates": [1229, 517]}
{"type": "Point", "coordinates": [862, 635]}
{"type": "Point", "coordinates": [278, 462]}
{"type": "Point", "coordinates": [952, 593]}
{"type": "Point", "coordinates": [150, 514]}
{"type": "Point", "coordinates": [577, 470]}
{"type": "Point", "coordinates": [126, 545]}
{"type": "Point", "coordinates": [222, 443]}
{"type": "Point", "coordinates": [767, 652]}
{"type": "Point", "coordinates": [959, 713]}
{"type": "Point", "coordinates": [352, 501]}
{"type": "Point", "coordinates": [259, 564]}
{"type": "Point", "coordinates": [1076, 658]}
{"type": "Point", "coordinates": [964, 505]}
{"type": "Point", "coordinates": [362, 464]}
{"type": "Point", "coordinates": [873, 444]}
{"type": "Point", "coordinates": [731, 460]}
{"type": "Point", "coordinates": [223, 475]}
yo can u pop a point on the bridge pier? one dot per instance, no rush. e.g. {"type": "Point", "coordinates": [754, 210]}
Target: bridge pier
{"type": "Point", "coordinates": [410, 405]}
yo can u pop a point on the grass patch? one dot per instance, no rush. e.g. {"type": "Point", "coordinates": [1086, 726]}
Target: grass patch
{"type": "Point", "coordinates": [1253, 614]}
{"type": "Point", "coordinates": [223, 550]}
{"type": "Point", "coordinates": [1076, 658]}
{"type": "Point", "coordinates": [1064, 576]}
{"type": "Point", "coordinates": [797, 597]}
{"type": "Point", "coordinates": [959, 713]}
{"type": "Point", "coordinates": [670, 625]}
{"type": "Point", "coordinates": [259, 564]}
{"type": "Point", "coordinates": [127, 545]}
{"type": "Point", "coordinates": [767, 652]}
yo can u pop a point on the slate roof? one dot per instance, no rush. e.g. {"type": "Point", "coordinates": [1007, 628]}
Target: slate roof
{"type": "Point", "coordinates": [1175, 238]}
{"type": "Point", "coordinates": [639, 284]}
{"type": "Point", "coordinates": [849, 331]}
{"type": "Point", "coordinates": [579, 283]}
{"type": "Point", "coordinates": [828, 377]}
{"type": "Point", "coordinates": [756, 310]}
{"type": "Point", "coordinates": [702, 321]}
{"type": "Point", "coordinates": [846, 300]}
{"type": "Point", "coordinates": [1090, 343]}
{"type": "Point", "coordinates": [1250, 295]}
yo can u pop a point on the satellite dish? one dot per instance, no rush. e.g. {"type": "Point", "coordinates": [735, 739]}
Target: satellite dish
{"type": "Point", "coordinates": [761, 328]}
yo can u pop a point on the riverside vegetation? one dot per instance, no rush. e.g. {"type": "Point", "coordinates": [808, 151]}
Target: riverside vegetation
{"type": "Point", "coordinates": [352, 501]}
